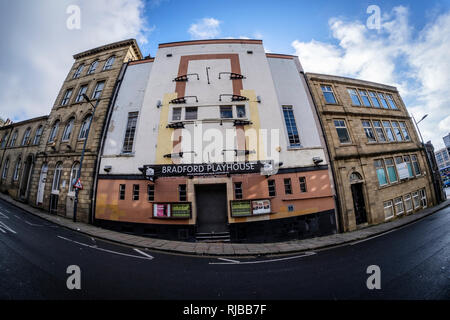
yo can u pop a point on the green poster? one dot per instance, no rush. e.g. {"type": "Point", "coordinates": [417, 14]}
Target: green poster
{"type": "Point", "coordinates": [181, 210]}
{"type": "Point", "coordinates": [240, 208]}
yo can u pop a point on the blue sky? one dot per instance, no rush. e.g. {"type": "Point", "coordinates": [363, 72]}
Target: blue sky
{"type": "Point", "coordinates": [410, 50]}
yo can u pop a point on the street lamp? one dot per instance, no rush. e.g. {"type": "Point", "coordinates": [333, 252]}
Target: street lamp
{"type": "Point", "coordinates": [418, 126]}
{"type": "Point", "coordinates": [75, 204]}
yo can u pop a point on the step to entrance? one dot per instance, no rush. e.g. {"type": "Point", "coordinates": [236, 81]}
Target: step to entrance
{"type": "Point", "coordinates": [213, 237]}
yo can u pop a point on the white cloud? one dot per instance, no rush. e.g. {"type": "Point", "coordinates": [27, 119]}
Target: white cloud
{"type": "Point", "coordinates": [40, 46]}
{"type": "Point", "coordinates": [206, 28]}
{"type": "Point", "coordinates": [417, 65]}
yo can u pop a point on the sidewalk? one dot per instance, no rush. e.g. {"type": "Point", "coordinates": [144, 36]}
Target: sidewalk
{"type": "Point", "coordinates": [228, 249]}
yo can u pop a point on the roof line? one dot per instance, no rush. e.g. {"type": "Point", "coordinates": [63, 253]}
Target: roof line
{"type": "Point", "coordinates": [208, 41]}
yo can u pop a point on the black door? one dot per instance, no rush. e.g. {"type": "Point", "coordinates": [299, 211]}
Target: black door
{"type": "Point", "coordinates": [358, 202]}
{"type": "Point", "coordinates": [212, 216]}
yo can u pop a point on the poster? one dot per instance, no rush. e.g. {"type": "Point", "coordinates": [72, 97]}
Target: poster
{"type": "Point", "coordinates": [240, 208]}
{"type": "Point", "coordinates": [181, 210]}
{"type": "Point", "coordinates": [161, 210]}
{"type": "Point", "coordinates": [402, 169]}
{"type": "Point", "coordinates": [261, 206]}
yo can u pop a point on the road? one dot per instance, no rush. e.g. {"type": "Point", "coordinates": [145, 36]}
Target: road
{"type": "Point", "coordinates": [35, 254]}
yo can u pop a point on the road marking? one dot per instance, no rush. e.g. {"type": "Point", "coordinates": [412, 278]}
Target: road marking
{"type": "Point", "coordinates": [105, 250]}
{"type": "Point", "coordinates": [2, 215]}
{"type": "Point", "coordinates": [4, 227]}
{"type": "Point", "coordinates": [229, 260]}
{"type": "Point", "coordinates": [307, 254]}
{"type": "Point", "coordinates": [28, 222]}
{"type": "Point", "coordinates": [143, 253]}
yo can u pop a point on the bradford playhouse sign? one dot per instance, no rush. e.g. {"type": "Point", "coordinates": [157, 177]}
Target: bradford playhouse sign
{"type": "Point", "coordinates": [152, 172]}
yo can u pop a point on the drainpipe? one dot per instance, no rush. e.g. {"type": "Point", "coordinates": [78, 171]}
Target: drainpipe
{"type": "Point", "coordinates": [339, 218]}
{"type": "Point", "coordinates": [93, 194]}
{"type": "Point", "coordinates": [4, 151]}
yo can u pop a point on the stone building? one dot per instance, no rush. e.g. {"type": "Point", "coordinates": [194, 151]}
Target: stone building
{"type": "Point", "coordinates": [95, 72]}
{"type": "Point", "coordinates": [380, 166]}
{"type": "Point", "coordinates": [19, 145]}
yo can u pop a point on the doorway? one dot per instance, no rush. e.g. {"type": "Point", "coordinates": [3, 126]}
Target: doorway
{"type": "Point", "coordinates": [211, 203]}
{"type": "Point", "coordinates": [358, 203]}
{"type": "Point", "coordinates": [23, 192]}
{"type": "Point", "coordinates": [41, 186]}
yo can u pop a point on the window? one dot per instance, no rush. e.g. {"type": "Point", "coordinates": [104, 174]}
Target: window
{"type": "Point", "coordinates": [397, 131]}
{"type": "Point", "coordinates": [66, 98]}
{"type": "Point", "coordinates": [4, 140]}
{"type": "Point", "coordinates": [342, 131]}
{"type": "Point", "coordinates": [388, 130]}
{"type": "Point", "coordinates": [381, 173]}
{"type": "Point", "coordinates": [369, 131]}
{"type": "Point", "coordinates": [135, 192]}
{"type": "Point", "coordinates": [238, 190]}
{"type": "Point", "coordinates": [53, 132]}
{"type": "Point", "coordinates": [129, 133]}
{"type": "Point", "coordinates": [226, 112]}
{"type": "Point", "coordinates": [364, 97]}
{"type": "Point", "coordinates": [287, 186]}
{"type": "Point", "coordinates": [78, 71]}
{"type": "Point", "coordinates": [302, 181]}
{"type": "Point", "coordinates": [416, 199]}
{"type": "Point", "coordinates": [37, 136]}
{"type": "Point", "coordinates": [121, 192]}
{"type": "Point", "coordinates": [354, 96]}
{"type": "Point", "coordinates": [92, 67]}
{"type": "Point", "coordinates": [291, 126]}
{"type": "Point", "coordinates": [271, 186]}
{"type": "Point", "coordinates": [392, 102]}
{"type": "Point", "coordinates": [176, 114]}
{"type": "Point", "coordinates": [404, 130]}
{"type": "Point", "coordinates": [26, 137]}
{"type": "Point", "coordinates": [388, 210]}
{"type": "Point", "coordinates": [374, 99]}
{"type": "Point", "coordinates": [328, 94]}
{"type": "Point", "coordinates": [379, 131]}
{"type": "Point", "coordinates": [5, 169]}
{"type": "Point", "coordinates": [383, 100]}
{"type": "Point", "coordinates": [13, 139]}
{"type": "Point", "coordinates": [408, 163]}
{"type": "Point", "coordinates": [398, 203]}
{"type": "Point", "coordinates": [182, 192]}
{"type": "Point", "coordinates": [98, 90]}
{"type": "Point", "coordinates": [423, 198]}
{"type": "Point", "coordinates": [416, 165]}
{"type": "Point", "coordinates": [74, 175]}
{"type": "Point", "coordinates": [240, 111]}
{"type": "Point", "coordinates": [151, 192]}
{"type": "Point", "coordinates": [390, 167]}
{"type": "Point", "coordinates": [17, 169]}
{"type": "Point", "coordinates": [82, 91]}
{"type": "Point", "coordinates": [109, 63]}
{"type": "Point", "coordinates": [408, 202]}
{"type": "Point", "coordinates": [68, 130]}
{"type": "Point", "coordinates": [84, 127]}
{"type": "Point", "coordinates": [57, 177]}
{"type": "Point", "coordinates": [191, 113]}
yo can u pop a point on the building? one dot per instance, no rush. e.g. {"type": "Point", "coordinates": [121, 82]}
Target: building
{"type": "Point", "coordinates": [380, 166]}
{"type": "Point", "coordinates": [19, 146]}
{"type": "Point", "coordinates": [442, 158]}
{"type": "Point", "coordinates": [447, 142]}
{"type": "Point", "coordinates": [215, 139]}
{"type": "Point", "coordinates": [95, 73]}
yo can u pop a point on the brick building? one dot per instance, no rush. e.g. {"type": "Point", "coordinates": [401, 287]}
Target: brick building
{"type": "Point", "coordinates": [380, 166]}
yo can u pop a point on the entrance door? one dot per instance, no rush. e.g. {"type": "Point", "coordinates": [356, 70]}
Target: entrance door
{"type": "Point", "coordinates": [212, 216]}
{"type": "Point", "coordinates": [41, 187]}
{"type": "Point", "coordinates": [358, 202]}
{"type": "Point", "coordinates": [25, 178]}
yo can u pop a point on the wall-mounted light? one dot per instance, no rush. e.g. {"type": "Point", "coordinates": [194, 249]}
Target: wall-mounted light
{"type": "Point", "coordinates": [107, 168]}
{"type": "Point", "coordinates": [258, 99]}
{"type": "Point", "coordinates": [317, 160]}
{"type": "Point", "coordinates": [158, 104]}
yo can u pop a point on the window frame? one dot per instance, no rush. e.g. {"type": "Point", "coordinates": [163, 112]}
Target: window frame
{"type": "Point", "coordinates": [387, 126]}
{"type": "Point", "coordinates": [341, 128]}
{"type": "Point", "coordinates": [78, 71]}
{"type": "Point", "coordinates": [82, 134]}
{"type": "Point", "coordinates": [92, 67]}
{"type": "Point", "coordinates": [68, 128]}
{"type": "Point", "coordinates": [79, 98]}
{"type": "Point", "coordinates": [382, 166]}
{"type": "Point", "coordinates": [379, 129]}
{"type": "Point", "coordinates": [189, 112]}
{"type": "Point", "coordinates": [373, 95]}
{"type": "Point", "coordinates": [66, 98]}
{"type": "Point", "coordinates": [364, 95]}
{"type": "Point", "coordinates": [175, 116]}
{"type": "Point", "coordinates": [238, 192]}
{"type": "Point", "coordinates": [96, 94]}
{"type": "Point", "coordinates": [290, 125]}
{"type": "Point", "coordinates": [57, 178]}
{"type": "Point", "coordinates": [399, 202]}
{"type": "Point", "coordinates": [407, 198]}
{"type": "Point", "coordinates": [150, 192]}
{"type": "Point", "coordinates": [122, 191]}
{"type": "Point", "coordinates": [5, 169]}
{"type": "Point", "coordinates": [352, 95]}
{"type": "Point", "coordinates": [136, 192]}
{"type": "Point", "coordinates": [326, 86]}
{"type": "Point", "coordinates": [287, 186]}
{"type": "Point", "coordinates": [54, 131]}
{"type": "Point", "coordinates": [271, 187]}
{"type": "Point", "coordinates": [415, 196]}
{"type": "Point", "coordinates": [392, 165]}
{"type": "Point", "coordinates": [108, 65]}
{"type": "Point", "coordinates": [229, 111]}
{"type": "Point", "coordinates": [182, 192]}
{"type": "Point", "coordinates": [14, 136]}
{"type": "Point", "coordinates": [370, 129]}
{"type": "Point", "coordinates": [26, 137]}
{"type": "Point", "coordinates": [38, 135]}
{"type": "Point", "coordinates": [130, 132]}
{"type": "Point", "coordinates": [74, 170]}
{"type": "Point", "coordinates": [388, 205]}
{"type": "Point", "coordinates": [16, 173]}
{"type": "Point", "coordinates": [303, 184]}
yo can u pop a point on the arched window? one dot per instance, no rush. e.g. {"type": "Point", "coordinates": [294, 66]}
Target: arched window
{"type": "Point", "coordinates": [92, 67]}
{"type": "Point", "coordinates": [84, 127]}
{"type": "Point", "coordinates": [37, 136]}
{"type": "Point", "coordinates": [5, 169]}
{"type": "Point", "coordinates": [14, 138]}
{"type": "Point", "coordinates": [78, 71]}
{"type": "Point", "coordinates": [4, 140]}
{"type": "Point", "coordinates": [57, 176]}
{"type": "Point", "coordinates": [54, 131]}
{"type": "Point", "coordinates": [109, 63]}
{"type": "Point", "coordinates": [17, 169]}
{"type": "Point", "coordinates": [26, 137]}
{"type": "Point", "coordinates": [68, 130]}
{"type": "Point", "coordinates": [73, 175]}
{"type": "Point", "coordinates": [355, 176]}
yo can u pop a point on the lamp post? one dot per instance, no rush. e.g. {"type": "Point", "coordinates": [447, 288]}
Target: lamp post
{"type": "Point", "coordinates": [418, 126]}
{"type": "Point", "coordinates": [75, 204]}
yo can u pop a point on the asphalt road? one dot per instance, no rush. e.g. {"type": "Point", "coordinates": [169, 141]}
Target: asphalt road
{"type": "Point", "coordinates": [35, 254]}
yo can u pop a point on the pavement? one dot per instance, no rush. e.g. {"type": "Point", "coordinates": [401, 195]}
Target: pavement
{"type": "Point", "coordinates": [229, 249]}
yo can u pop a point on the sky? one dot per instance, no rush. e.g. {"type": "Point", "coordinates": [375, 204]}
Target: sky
{"type": "Point", "coordinates": [407, 47]}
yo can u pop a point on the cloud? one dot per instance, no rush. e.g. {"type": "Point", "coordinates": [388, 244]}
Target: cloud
{"type": "Point", "coordinates": [39, 46]}
{"type": "Point", "coordinates": [206, 28]}
{"type": "Point", "coordinates": [416, 62]}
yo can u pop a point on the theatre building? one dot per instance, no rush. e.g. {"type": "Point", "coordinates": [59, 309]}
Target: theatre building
{"type": "Point", "coordinates": [380, 166]}
{"type": "Point", "coordinates": [215, 139]}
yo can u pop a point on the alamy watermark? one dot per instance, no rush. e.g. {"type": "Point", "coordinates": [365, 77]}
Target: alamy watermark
{"type": "Point", "coordinates": [74, 280]}
{"type": "Point", "coordinates": [73, 22]}
{"type": "Point", "coordinates": [374, 20]}
{"type": "Point", "coordinates": [374, 280]}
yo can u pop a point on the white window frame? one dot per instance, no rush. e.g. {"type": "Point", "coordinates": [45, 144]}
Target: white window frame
{"type": "Point", "coordinates": [73, 175]}
{"type": "Point", "coordinates": [109, 63]}
{"type": "Point", "coordinates": [68, 130]}
{"type": "Point", "coordinates": [423, 197]}
{"type": "Point", "coordinates": [38, 135]}
{"type": "Point", "coordinates": [26, 136]}
{"type": "Point", "coordinates": [98, 92]}
{"type": "Point", "coordinates": [388, 205]}
{"type": "Point", "coordinates": [415, 196]}
{"type": "Point", "coordinates": [399, 202]}
{"type": "Point", "coordinates": [5, 169]}
{"type": "Point", "coordinates": [339, 126]}
{"type": "Point", "coordinates": [408, 198]}
{"type": "Point", "coordinates": [17, 169]}
{"type": "Point", "coordinates": [54, 131]}
{"type": "Point", "coordinates": [56, 183]}
{"type": "Point", "coordinates": [93, 67]}
{"type": "Point", "coordinates": [78, 71]}
{"type": "Point", "coordinates": [84, 127]}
